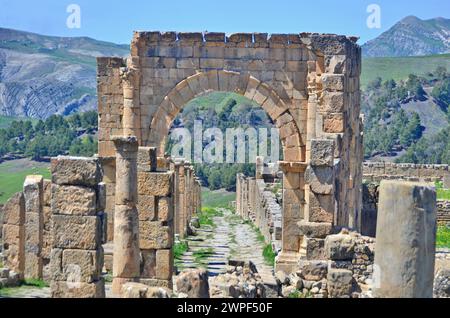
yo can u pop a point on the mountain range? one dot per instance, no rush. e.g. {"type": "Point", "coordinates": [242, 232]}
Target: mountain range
{"type": "Point", "coordinates": [411, 37]}
{"type": "Point", "coordinates": [43, 75]}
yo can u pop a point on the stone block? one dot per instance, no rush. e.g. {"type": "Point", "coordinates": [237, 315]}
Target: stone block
{"type": "Point", "coordinates": [77, 232]}
{"type": "Point", "coordinates": [155, 235]}
{"type": "Point", "coordinates": [76, 171]}
{"type": "Point", "coordinates": [322, 152]}
{"type": "Point", "coordinates": [14, 210]}
{"type": "Point", "coordinates": [155, 183]}
{"type": "Point", "coordinates": [148, 263]}
{"type": "Point", "coordinates": [146, 159]}
{"type": "Point", "coordinates": [193, 283]}
{"type": "Point", "coordinates": [339, 283]}
{"type": "Point", "coordinates": [153, 282]}
{"type": "Point", "coordinates": [164, 264]}
{"type": "Point", "coordinates": [333, 82]}
{"type": "Point", "coordinates": [76, 266]}
{"type": "Point", "coordinates": [137, 290]}
{"type": "Point", "coordinates": [165, 209]}
{"type": "Point", "coordinates": [313, 270]}
{"type": "Point", "coordinates": [339, 247]}
{"type": "Point", "coordinates": [63, 289]}
{"type": "Point", "coordinates": [314, 229]}
{"type": "Point", "coordinates": [146, 207]}
{"type": "Point", "coordinates": [320, 179]}
{"type": "Point", "coordinates": [332, 102]}
{"type": "Point", "coordinates": [73, 200]}
{"type": "Point", "coordinates": [333, 123]}
{"type": "Point", "coordinates": [321, 208]}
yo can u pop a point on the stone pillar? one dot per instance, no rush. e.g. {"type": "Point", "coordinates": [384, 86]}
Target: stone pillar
{"type": "Point", "coordinates": [76, 259]}
{"type": "Point", "coordinates": [259, 167]}
{"type": "Point", "coordinates": [405, 240]}
{"type": "Point", "coordinates": [126, 258]}
{"type": "Point", "coordinates": [179, 196]}
{"type": "Point", "coordinates": [14, 234]}
{"type": "Point", "coordinates": [131, 106]}
{"type": "Point", "coordinates": [33, 194]}
{"type": "Point", "coordinates": [320, 201]}
{"type": "Point", "coordinates": [156, 212]}
{"type": "Point", "coordinates": [293, 214]}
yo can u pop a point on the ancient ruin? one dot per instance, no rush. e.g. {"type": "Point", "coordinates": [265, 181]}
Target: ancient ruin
{"type": "Point", "coordinates": [134, 199]}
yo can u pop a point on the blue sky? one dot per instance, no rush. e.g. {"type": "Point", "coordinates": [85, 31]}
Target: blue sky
{"type": "Point", "coordinates": [115, 20]}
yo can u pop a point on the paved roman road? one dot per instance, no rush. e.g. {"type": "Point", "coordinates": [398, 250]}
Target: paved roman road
{"type": "Point", "coordinates": [229, 238]}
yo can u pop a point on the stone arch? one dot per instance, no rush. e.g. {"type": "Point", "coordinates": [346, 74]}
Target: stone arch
{"type": "Point", "coordinates": [227, 81]}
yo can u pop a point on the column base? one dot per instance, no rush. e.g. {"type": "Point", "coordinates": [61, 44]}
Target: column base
{"type": "Point", "coordinates": [287, 262]}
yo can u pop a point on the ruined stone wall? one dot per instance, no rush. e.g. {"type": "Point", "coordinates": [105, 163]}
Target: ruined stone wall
{"type": "Point", "coordinates": [255, 201]}
{"type": "Point", "coordinates": [307, 83]}
{"type": "Point", "coordinates": [443, 211]}
{"type": "Point", "coordinates": [156, 217]}
{"type": "Point", "coordinates": [77, 206]}
{"type": "Point", "coordinates": [13, 234]}
{"type": "Point", "coordinates": [377, 171]}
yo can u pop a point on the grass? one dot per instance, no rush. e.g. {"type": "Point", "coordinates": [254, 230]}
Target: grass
{"type": "Point", "coordinates": [269, 255]}
{"type": "Point", "coordinates": [33, 282]}
{"type": "Point", "coordinates": [179, 248]}
{"type": "Point", "coordinates": [399, 68]}
{"type": "Point", "coordinates": [298, 294]}
{"type": "Point", "coordinates": [206, 216]}
{"type": "Point", "coordinates": [441, 193]}
{"type": "Point", "coordinates": [13, 173]}
{"type": "Point", "coordinates": [27, 284]}
{"type": "Point", "coordinates": [218, 198]}
{"type": "Point", "coordinates": [202, 254]}
{"type": "Point", "coordinates": [443, 236]}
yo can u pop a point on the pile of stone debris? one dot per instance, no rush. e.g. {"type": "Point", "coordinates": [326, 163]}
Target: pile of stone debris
{"type": "Point", "coordinates": [8, 278]}
{"type": "Point", "coordinates": [241, 280]}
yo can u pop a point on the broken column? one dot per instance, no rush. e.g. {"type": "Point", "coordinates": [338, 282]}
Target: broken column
{"type": "Point", "coordinates": [33, 194]}
{"type": "Point", "coordinates": [126, 264]}
{"type": "Point", "coordinates": [76, 259]}
{"type": "Point", "coordinates": [405, 240]}
{"type": "Point", "coordinates": [14, 234]}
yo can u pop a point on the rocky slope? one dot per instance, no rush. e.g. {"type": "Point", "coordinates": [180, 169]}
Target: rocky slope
{"type": "Point", "coordinates": [411, 37]}
{"type": "Point", "coordinates": [43, 75]}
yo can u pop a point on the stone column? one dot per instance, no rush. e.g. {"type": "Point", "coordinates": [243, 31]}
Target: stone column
{"type": "Point", "coordinates": [33, 194]}
{"type": "Point", "coordinates": [405, 240]}
{"type": "Point", "coordinates": [76, 259]}
{"type": "Point", "coordinates": [293, 214]}
{"type": "Point", "coordinates": [14, 234]}
{"type": "Point", "coordinates": [126, 264]}
{"type": "Point", "coordinates": [131, 106]}
{"type": "Point", "coordinates": [259, 167]}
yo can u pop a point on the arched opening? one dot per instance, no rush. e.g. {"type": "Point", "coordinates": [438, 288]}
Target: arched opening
{"type": "Point", "coordinates": [261, 97]}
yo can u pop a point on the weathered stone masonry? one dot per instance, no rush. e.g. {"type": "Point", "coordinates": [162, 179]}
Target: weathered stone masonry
{"type": "Point", "coordinates": [307, 83]}
{"type": "Point", "coordinates": [77, 203]}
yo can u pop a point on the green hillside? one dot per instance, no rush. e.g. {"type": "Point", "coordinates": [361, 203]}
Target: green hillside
{"type": "Point", "coordinates": [399, 68]}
